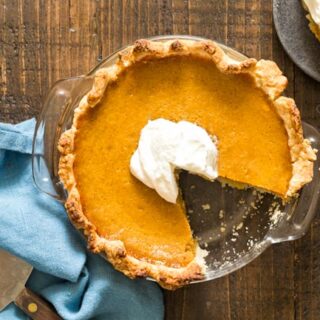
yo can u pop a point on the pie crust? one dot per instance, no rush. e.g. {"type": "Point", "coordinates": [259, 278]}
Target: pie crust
{"type": "Point", "coordinates": [267, 77]}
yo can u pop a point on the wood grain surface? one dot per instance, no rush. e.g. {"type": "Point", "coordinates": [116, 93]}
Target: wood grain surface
{"type": "Point", "coordinates": [43, 41]}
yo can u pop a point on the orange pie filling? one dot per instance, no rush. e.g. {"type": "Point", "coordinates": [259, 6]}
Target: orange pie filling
{"type": "Point", "coordinates": [252, 143]}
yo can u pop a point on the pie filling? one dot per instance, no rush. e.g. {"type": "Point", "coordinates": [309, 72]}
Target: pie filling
{"type": "Point", "coordinates": [252, 144]}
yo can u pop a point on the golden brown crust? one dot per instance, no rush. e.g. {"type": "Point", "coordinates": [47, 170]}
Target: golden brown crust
{"type": "Point", "coordinates": [267, 77]}
{"type": "Point", "coordinates": [302, 154]}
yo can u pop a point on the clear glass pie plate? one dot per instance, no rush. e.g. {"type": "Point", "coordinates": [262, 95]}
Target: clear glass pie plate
{"type": "Point", "coordinates": [234, 226]}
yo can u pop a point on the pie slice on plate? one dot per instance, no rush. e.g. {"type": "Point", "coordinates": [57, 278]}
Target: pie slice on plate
{"type": "Point", "coordinates": [313, 8]}
{"type": "Point", "coordinates": [260, 143]}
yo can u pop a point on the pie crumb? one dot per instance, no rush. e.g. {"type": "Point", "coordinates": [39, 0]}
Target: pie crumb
{"type": "Point", "coordinates": [206, 206]}
{"type": "Point", "coordinates": [239, 226]}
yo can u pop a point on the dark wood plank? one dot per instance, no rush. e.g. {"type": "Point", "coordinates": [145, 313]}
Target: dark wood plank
{"type": "Point", "coordinates": [43, 41]}
{"type": "Point", "coordinates": [307, 260]}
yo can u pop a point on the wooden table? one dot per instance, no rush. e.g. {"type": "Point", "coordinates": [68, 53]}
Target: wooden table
{"type": "Point", "coordinates": [43, 41]}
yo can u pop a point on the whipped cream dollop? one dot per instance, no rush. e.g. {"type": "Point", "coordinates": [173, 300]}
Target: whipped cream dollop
{"type": "Point", "coordinates": [313, 6]}
{"type": "Point", "coordinates": [164, 146]}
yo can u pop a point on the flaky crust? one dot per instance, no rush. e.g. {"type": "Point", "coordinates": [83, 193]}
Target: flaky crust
{"type": "Point", "coordinates": [267, 77]}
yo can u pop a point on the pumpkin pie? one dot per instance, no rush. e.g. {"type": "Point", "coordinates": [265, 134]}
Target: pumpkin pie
{"type": "Point", "coordinates": [260, 144]}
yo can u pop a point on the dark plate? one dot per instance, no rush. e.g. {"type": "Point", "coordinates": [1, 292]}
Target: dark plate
{"type": "Point", "coordinates": [299, 42]}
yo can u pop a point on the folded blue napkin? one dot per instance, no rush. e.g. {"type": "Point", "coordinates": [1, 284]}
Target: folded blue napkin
{"type": "Point", "coordinates": [35, 227]}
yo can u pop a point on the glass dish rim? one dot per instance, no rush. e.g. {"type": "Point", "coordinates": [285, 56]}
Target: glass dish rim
{"type": "Point", "coordinates": [265, 243]}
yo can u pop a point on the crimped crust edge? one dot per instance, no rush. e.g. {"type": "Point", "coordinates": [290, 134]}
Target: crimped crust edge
{"type": "Point", "coordinates": [267, 77]}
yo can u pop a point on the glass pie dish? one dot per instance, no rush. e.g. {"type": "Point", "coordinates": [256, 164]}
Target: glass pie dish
{"type": "Point", "coordinates": [233, 225]}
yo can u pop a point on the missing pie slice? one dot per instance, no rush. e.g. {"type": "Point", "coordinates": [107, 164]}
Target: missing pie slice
{"type": "Point", "coordinates": [260, 144]}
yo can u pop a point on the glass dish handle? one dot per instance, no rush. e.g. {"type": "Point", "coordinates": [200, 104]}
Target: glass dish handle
{"type": "Point", "coordinates": [62, 99]}
{"type": "Point", "coordinates": [294, 226]}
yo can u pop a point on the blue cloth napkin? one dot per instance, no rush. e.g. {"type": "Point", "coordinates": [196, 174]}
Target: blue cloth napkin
{"type": "Point", "coordinates": [35, 227]}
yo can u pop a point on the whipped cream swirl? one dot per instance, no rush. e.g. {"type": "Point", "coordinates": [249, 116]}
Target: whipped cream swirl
{"type": "Point", "coordinates": [164, 146]}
